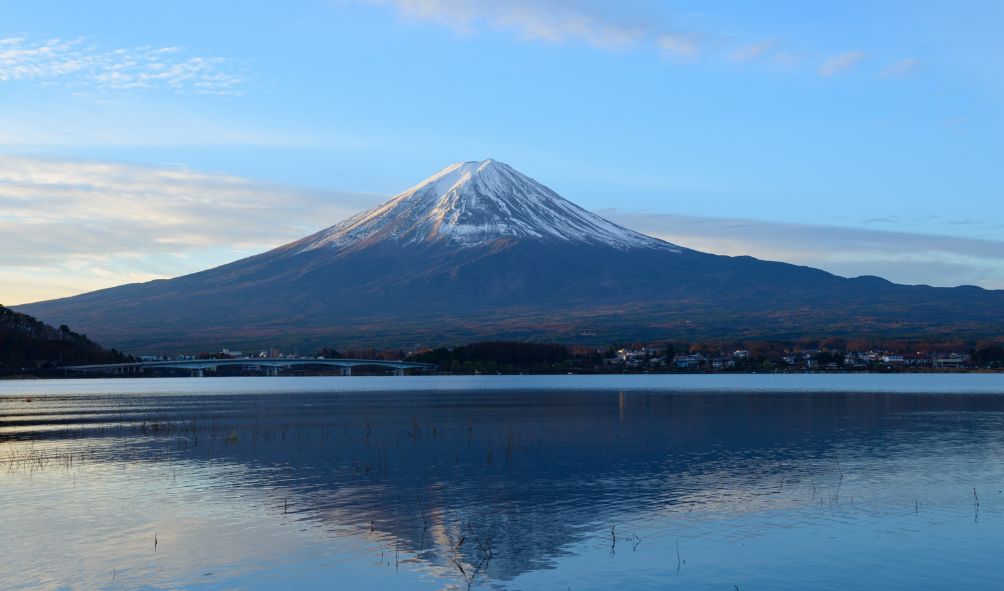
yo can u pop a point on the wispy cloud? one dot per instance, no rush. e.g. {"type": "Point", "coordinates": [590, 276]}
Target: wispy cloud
{"type": "Point", "coordinates": [900, 69]}
{"type": "Point", "coordinates": [67, 226]}
{"type": "Point", "coordinates": [641, 25]}
{"type": "Point", "coordinates": [841, 62]}
{"type": "Point", "coordinates": [78, 63]}
{"type": "Point", "coordinates": [754, 51]}
{"type": "Point", "coordinates": [559, 21]}
{"type": "Point", "coordinates": [904, 257]}
{"type": "Point", "coordinates": [680, 46]}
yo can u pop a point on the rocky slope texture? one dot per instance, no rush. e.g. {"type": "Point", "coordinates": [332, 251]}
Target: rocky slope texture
{"type": "Point", "coordinates": [480, 251]}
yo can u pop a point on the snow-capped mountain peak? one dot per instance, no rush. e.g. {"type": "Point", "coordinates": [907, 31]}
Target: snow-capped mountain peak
{"type": "Point", "coordinates": [472, 203]}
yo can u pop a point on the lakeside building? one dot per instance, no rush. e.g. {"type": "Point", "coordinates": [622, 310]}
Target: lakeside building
{"type": "Point", "coordinates": [953, 361]}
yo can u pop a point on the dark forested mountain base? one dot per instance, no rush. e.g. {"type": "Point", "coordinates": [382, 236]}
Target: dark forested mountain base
{"type": "Point", "coordinates": [30, 346]}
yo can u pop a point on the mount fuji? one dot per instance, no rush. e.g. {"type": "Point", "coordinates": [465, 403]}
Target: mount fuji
{"type": "Point", "coordinates": [479, 251]}
{"type": "Point", "coordinates": [472, 203]}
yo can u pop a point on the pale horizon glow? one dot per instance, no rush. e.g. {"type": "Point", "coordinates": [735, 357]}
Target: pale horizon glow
{"type": "Point", "coordinates": [68, 227]}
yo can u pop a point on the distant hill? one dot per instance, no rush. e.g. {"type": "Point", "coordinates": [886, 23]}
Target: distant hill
{"type": "Point", "coordinates": [479, 251]}
{"type": "Point", "coordinates": [29, 346]}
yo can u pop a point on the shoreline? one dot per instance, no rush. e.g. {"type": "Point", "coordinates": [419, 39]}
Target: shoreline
{"type": "Point", "coordinates": [957, 383]}
{"type": "Point", "coordinates": [87, 377]}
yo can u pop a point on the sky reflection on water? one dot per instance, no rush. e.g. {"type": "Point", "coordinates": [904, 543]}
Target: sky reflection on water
{"type": "Point", "coordinates": [497, 488]}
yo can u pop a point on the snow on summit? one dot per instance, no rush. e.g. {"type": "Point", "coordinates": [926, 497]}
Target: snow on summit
{"type": "Point", "coordinates": [471, 203]}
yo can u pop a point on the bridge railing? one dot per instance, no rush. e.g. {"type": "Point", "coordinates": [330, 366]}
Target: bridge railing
{"type": "Point", "coordinates": [197, 366]}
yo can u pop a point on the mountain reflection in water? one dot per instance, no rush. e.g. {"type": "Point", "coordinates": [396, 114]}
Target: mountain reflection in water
{"type": "Point", "coordinates": [502, 489]}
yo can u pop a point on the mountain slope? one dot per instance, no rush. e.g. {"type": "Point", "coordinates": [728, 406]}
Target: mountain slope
{"type": "Point", "coordinates": [479, 250]}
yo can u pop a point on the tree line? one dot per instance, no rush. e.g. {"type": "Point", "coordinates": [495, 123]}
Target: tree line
{"type": "Point", "coordinates": [30, 346]}
{"type": "Point", "coordinates": [492, 356]}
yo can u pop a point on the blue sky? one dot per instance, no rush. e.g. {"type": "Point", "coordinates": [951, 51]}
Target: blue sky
{"type": "Point", "coordinates": [714, 124]}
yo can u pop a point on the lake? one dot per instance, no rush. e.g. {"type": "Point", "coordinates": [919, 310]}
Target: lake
{"type": "Point", "coordinates": [504, 482]}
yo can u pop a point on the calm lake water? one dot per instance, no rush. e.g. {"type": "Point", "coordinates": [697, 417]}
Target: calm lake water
{"type": "Point", "coordinates": [561, 482]}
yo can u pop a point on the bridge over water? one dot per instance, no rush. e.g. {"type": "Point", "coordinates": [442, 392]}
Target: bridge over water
{"type": "Point", "coordinates": [270, 365]}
